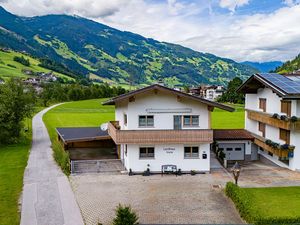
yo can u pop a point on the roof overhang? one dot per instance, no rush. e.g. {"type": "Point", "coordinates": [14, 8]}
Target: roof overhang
{"type": "Point", "coordinates": [255, 82]}
{"type": "Point", "coordinates": [157, 87]}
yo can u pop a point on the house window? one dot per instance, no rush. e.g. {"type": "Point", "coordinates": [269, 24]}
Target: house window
{"type": "Point", "coordinates": [262, 128]}
{"type": "Point", "coordinates": [146, 121]}
{"type": "Point", "coordinates": [125, 119]}
{"type": "Point", "coordinates": [191, 152]}
{"type": "Point", "coordinates": [263, 104]}
{"type": "Point", "coordinates": [147, 152]}
{"type": "Point", "coordinates": [286, 107]}
{"type": "Point", "coordinates": [238, 149]}
{"type": "Point", "coordinates": [191, 120]}
{"type": "Point", "coordinates": [284, 135]}
{"type": "Point", "coordinates": [229, 149]}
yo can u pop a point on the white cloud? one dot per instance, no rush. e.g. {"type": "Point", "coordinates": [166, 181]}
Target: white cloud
{"type": "Point", "coordinates": [291, 2]}
{"type": "Point", "coordinates": [233, 4]}
{"type": "Point", "coordinates": [195, 24]}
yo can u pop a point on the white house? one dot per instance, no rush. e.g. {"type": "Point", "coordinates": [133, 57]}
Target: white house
{"type": "Point", "coordinates": [272, 108]}
{"type": "Point", "coordinates": [157, 126]}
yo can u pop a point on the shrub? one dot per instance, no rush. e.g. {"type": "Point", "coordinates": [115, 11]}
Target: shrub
{"type": "Point", "coordinates": [12, 66]}
{"type": "Point", "coordinates": [61, 157]}
{"type": "Point", "coordinates": [125, 216]}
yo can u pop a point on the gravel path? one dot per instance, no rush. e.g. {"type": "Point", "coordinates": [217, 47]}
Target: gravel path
{"type": "Point", "coordinates": [47, 195]}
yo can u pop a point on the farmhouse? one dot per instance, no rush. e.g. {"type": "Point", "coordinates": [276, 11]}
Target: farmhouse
{"type": "Point", "coordinates": [272, 112]}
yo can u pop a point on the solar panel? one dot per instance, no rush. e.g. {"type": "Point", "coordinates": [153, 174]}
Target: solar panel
{"type": "Point", "coordinates": [289, 84]}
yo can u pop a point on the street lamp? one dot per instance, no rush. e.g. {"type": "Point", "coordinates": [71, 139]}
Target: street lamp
{"type": "Point", "coordinates": [236, 169]}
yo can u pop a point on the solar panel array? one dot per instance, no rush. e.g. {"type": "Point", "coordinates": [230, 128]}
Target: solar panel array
{"type": "Point", "coordinates": [289, 84]}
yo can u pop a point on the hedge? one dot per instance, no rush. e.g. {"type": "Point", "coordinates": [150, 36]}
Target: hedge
{"type": "Point", "coordinates": [247, 209]}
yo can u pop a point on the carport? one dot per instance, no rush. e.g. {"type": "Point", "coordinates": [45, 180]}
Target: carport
{"type": "Point", "coordinates": [237, 144]}
{"type": "Point", "coordinates": [87, 143]}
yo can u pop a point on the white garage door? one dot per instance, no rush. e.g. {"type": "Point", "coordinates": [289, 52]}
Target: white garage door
{"type": "Point", "coordinates": [233, 151]}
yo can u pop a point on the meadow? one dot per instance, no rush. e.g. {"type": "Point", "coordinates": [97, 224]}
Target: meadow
{"type": "Point", "coordinates": [13, 160]}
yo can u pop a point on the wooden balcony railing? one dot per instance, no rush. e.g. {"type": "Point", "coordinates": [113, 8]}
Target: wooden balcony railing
{"type": "Point", "coordinates": [158, 136]}
{"type": "Point", "coordinates": [261, 143]}
{"type": "Point", "coordinates": [269, 120]}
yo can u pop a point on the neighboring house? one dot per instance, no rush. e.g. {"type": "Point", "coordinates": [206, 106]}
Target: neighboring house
{"type": "Point", "coordinates": [272, 107]}
{"type": "Point", "coordinates": [157, 126]}
{"type": "Point", "coordinates": [209, 92]}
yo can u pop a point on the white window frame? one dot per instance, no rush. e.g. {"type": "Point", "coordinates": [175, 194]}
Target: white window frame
{"type": "Point", "coordinates": [146, 116]}
{"type": "Point", "coordinates": [191, 121]}
{"type": "Point", "coordinates": [191, 152]}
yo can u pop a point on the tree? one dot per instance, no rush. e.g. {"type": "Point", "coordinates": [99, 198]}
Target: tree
{"type": "Point", "coordinates": [125, 216]}
{"type": "Point", "coordinates": [231, 95]}
{"type": "Point", "coordinates": [16, 103]}
{"type": "Point", "coordinates": [22, 60]}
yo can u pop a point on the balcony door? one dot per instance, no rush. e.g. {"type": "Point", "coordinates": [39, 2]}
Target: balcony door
{"type": "Point", "coordinates": [177, 122]}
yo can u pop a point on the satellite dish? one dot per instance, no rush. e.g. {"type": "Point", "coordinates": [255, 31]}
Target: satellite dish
{"type": "Point", "coordinates": [104, 126]}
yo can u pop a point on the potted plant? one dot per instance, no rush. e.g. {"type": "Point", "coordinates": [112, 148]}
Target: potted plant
{"type": "Point", "coordinates": [291, 147]}
{"type": "Point", "coordinates": [284, 118]}
{"type": "Point", "coordinates": [179, 172]}
{"type": "Point", "coordinates": [284, 147]}
{"type": "Point", "coordinates": [268, 142]}
{"type": "Point", "coordinates": [276, 116]}
{"type": "Point", "coordinates": [193, 172]}
{"type": "Point", "coordinates": [294, 119]}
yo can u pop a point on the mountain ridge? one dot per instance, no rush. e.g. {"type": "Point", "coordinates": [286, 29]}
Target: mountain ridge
{"type": "Point", "coordinates": [93, 48]}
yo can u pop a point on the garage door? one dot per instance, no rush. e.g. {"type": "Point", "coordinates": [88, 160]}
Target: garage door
{"type": "Point", "coordinates": [233, 151]}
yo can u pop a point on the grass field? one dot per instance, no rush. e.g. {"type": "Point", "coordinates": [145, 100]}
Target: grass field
{"type": "Point", "coordinates": [221, 119]}
{"type": "Point", "coordinates": [7, 72]}
{"type": "Point", "coordinates": [13, 160]}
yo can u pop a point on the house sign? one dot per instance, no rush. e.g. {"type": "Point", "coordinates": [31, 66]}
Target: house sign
{"type": "Point", "coordinates": [169, 150]}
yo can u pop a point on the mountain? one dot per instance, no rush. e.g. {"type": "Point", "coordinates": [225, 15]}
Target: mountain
{"type": "Point", "coordinates": [290, 66]}
{"type": "Point", "coordinates": [107, 54]}
{"type": "Point", "coordinates": [264, 67]}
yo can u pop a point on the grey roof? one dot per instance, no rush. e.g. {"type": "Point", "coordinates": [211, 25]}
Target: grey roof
{"type": "Point", "coordinates": [69, 134]}
{"type": "Point", "coordinates": [287, 86]}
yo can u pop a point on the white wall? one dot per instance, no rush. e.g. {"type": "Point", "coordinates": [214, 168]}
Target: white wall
{"type": "Point", "coordinates": [295, 161]}
{"type": "Point", "coordinates": [164, 157]}
{"type": "Point", "coordinates": [121, 109]}
{"type": "Point", "coordinates": [246, 143]}
{"type": "Point", "coordinates": [161, 120]}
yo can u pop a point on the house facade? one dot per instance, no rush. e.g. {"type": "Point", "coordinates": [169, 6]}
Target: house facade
{"type": "Point", "coordinates": [272, 110]}
{"type": "Point", "coordinates": [158, 126]}
{"type": "Point", "coordinates": [209, 92]}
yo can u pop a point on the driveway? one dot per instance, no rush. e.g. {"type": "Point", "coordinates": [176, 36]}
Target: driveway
{"type": "Point", "coordinates": [258, 174]}
{"type": "Point", "coordinates": [157, 200]}
{"type": "Point", "coordinates": [47, 195]}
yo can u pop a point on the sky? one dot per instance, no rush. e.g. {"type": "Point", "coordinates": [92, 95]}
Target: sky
{"type": "Point", "coordinates": [243, 30]}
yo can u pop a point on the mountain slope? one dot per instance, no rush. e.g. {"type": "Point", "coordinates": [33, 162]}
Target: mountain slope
{"type": "Point", "coordinates": [123, 57]}
{"type": "Point", "coordinates": [289, 66]}
{"type": "Point", "coordinates": [10, 68]}
{"type": "Point", "coordinates": [265, 66]}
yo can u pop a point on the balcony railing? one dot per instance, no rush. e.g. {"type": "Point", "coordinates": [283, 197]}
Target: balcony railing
{"type": "Point", "coordinates": [158, 136]}
{"type": "Point", "coordinates": [269, 120]}
{"type": "Point", "coordinates": [260, 141]}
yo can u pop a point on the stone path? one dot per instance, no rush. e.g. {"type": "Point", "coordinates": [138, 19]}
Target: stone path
{"type": "Point", "coordinates": [47, 195]}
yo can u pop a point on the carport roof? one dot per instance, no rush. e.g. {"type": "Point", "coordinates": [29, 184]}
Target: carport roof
{"type": "Point", "coordinates": [232, 135]}
{"type": "Point", "coordinates": [75, 134]}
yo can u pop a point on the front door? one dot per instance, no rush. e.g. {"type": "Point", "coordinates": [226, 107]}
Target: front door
{"type": "Point", "coordinates": [177, 122]}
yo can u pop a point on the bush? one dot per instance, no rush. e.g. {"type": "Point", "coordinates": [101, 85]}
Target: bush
{"type": "Point", "coordinates": [125, 216]}
{"type": "Point", "coordinates": [61, 157]}
{"type": "Point", "coordinates": [294, 119]}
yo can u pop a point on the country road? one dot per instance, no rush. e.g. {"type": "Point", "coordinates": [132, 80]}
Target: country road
{"type": "Point", "coordinates": [47, 195]}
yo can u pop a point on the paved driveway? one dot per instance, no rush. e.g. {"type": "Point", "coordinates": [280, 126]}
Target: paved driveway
{"type": "Point", "coordinates": [157, 200]}
{"type": "Point", "coordinates": [258, 174]}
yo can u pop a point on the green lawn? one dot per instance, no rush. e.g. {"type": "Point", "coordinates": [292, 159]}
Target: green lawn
{"type": "Point", "coordinates": [87, 113]}
{"type": "Point", "coordinates": [13, 160]}
{"type": "Point", "coordinates": [279, 202]}
{"type": "Point", "coordinates": [221, 119]}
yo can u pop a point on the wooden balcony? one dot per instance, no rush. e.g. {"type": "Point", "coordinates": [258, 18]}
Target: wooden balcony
{"type": "Point", "coordinates": [261, 143]}
{"type": "Point", "coordinates": [267, 118]}
{"type": "Point", "coordinates": [158, 136]}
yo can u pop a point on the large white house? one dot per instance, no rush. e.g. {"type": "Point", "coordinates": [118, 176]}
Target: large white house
{"type": "Point", "coordinates": [273, 117]}
{"type": "Point", "coordinates": [157, 126]}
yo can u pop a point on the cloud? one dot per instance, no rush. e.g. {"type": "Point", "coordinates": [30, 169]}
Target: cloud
{"type": "Point", "coordinates": [232, 4]}
{"type": "Point", "coordinates": [291, 2]}
{"type": "Point", "coordinates": [197, 24]}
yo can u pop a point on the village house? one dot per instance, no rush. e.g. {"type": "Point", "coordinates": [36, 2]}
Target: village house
{"type": "Point", "coordinates": [157, 126]}
{"type": "Point", "coordinates": [209, 92]}
{"type": "Point", "coordinates": [273, 117]}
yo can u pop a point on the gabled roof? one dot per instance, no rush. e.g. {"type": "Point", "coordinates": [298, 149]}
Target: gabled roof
{"type": "Point", "coordinates": [286, 86]}
{"type": "Point", "coordinates": [175, 92]}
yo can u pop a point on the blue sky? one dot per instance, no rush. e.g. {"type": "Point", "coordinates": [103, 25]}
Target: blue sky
{"type": "Point", "coordinates": [243, 30]}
